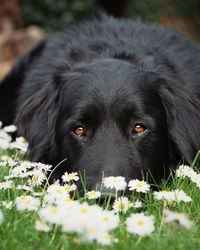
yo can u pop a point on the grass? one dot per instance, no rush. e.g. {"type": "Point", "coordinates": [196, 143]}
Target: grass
{"type": "Point", "coordinates": [18, 232]}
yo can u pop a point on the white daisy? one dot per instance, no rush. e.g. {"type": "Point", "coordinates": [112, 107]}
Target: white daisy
{"type": "Point", "coordinates": [164, 195]}
{"type": "Point", "coordinates": [5, 136]}
{"type": "Point", "coordinates": [7, 204]}
{"type": "Point", "coordinates": [104, 238]}
{"type": "Point", "coordinates": [23, 187]}
{"type": "Point", "coordinates": [117, 182]}
{"type": "Point", "coordinates": [139, 186]}
{"type": "Point", "coordinates": [5, 185]}
{"type": "Point", "coordinates": [67, 177]}
{"type": "Point", "coordinates": [38, 177]}
{"type": "Point", "coordinates": [182, 196]}
{"type": "Point", "coordinates": [108, 220]}
{"type": "Point", "coordinates": [93, 194]}
{"type": "Point", "coordinates": [52, 214]}
{"type": "Point", "coordinates": [20, 143]}
{"type": "Point", "coordinates": [196, 179]}
{"type": "Point", "coordinates": [70, 188]}
{"type": "Point", "coordinates": [55, 193]}
{"type": "Point", "coordinates": [180, 218]}
{"type": "Point", "coordinates": [4, 144]}
{"type": "Point", "coordinates": [136, 204]}
{"type": "Point", "coordinates": [169, 197]}
{"type": "Point", "coordinates": [24, 166]}
{"type": "Point", "coordinates": [42, 226]}
{"type": "Point", "coordinates": [27, 203]}
{"type": "Point", "coordinates": [42, 166]}
{"type": "Point", "coordinates": [121, 205]}
{"type": "Point", "coordinates": [10, 129]}
{"type": "Point", "coordinates": [140, 224]}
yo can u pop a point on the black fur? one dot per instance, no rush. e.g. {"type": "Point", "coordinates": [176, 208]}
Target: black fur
{"type": "Point", "coordinates": [107, 75]}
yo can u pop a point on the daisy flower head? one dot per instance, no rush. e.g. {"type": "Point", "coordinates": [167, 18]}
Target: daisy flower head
{"type": "Point", "coordinates": [116, 182]}
{"type": "Point", "coordinates": [5, 136]}
{"type": "Point", "coordinates": [164, 195]}
{"type": "Point", "coordinates": [185, 171]}
{"type": "Point", "coordinates": [27, 203]}
{"type": "Point", "coordinates": [135, 204]}
{"type": "Point", "coordinates": [52, 214]}
{"type": "Point", "coordinates": [6, 185]}
{"type": "Point", "coordinates": [42, 226]}
{"type": "Point", "coordinates": [1, 124]}
{"type": "Point", "coordinates": [93, 194]}
{"type": "Point", "coordinates": [180, 195]}
{"type": "Point", "coordinates": [7, 204]}
{"type": "Point", "coordinates": [56, 193]}
{"type": "Point", "coordinates": [179, 218]}
{"type": "Point", "coordinates": [24, 187]}
{"type": "Point", "coordinates": [41, 166]}
{"type": "Point", "coordinates": [121, 205]}
{"type": "Point", "coordinates": [108, 220]}
{"type": "Point", "coordinates": [139, 186]}
{"type": "Point", "coordinates": [140, 224]}
{"type": "Point", "coordinates": [24, 166]}
{"type": "Point", "coordinates": [10, 129]}
{"type": "Point", "coordinates": [20, 143]}
{"type": "Point", "coordinates": [4, 144]}
{"type": "Point", "coordinates": [67, 177]}
{"type": "Point", "coordinates": [104, 238]}
{"type": "Point", "coordinates": [171, 197]}
{"type": "Point", "coordinates": [196, 180]}
{"type": "Point", "coordinates": [38, 177]}
{"type": "Point", "coordinates": [70, 187]}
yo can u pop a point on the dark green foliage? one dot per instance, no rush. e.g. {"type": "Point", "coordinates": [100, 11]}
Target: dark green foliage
{"type": "Point", "coordinates": [54, 15]}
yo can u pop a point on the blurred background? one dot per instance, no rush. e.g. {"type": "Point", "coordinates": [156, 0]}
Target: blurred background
{"type": "Point", "coordinates": [25, 22]}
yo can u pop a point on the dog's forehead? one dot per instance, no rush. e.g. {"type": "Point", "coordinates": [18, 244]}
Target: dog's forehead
{"type": "Point", "coordinates": [107, 84]}
{"type": "Point", "coordinates": [107, 77]}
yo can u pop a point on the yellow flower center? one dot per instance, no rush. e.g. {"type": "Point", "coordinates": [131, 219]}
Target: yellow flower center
{"type": "Point", "coordinates": [67, 187]}
{"type": "Point", "coordinates": [70, 176]}
{"type": "Point", "coordinates": [114, 180]}
{"type": "Point", "coordinates": [92, 231]}
{"type": "Point", "coordinates": [121, 205]}
{"type": "Point", "coordinates": [139, 185]}
{"type": "Point", "coordinates": [170, 202]}
{"type": "Point", "coordinates": [84, 210]}
{"type": "Point", "coordinates": [105, 218]}
{"type": "Point", "coordinates": [68, 199]}
{"type": "Point", "coordinates": [140, 222]}
{"type": "Point", "coordinates": [22, 197]}
{"type": "Point", "coordinates": [59, 191]}
{"type": "Point", "coordinates": [25, 165]}
{"type": "Point", "coordinates": [27, 202]}
{"type": "Point", "coordinates": [35, 178]}
{"type": "Point", "coordinates": [92, 193]}
{"type": "Point", "coordinates": [24, 140]}
{"type": "Point", "coordinates": [54, 210]}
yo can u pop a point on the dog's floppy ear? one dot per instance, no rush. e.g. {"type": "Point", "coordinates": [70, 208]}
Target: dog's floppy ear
{"type": "Point", "coordinates": [36, 121]}
{"type": "Point", "coordinates": [183, 117]}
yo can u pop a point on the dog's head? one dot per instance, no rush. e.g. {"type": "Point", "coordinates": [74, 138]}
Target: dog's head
{"type": "Point", "coordinates": [109, 117]}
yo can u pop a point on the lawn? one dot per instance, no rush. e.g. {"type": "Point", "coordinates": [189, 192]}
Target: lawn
{"type": "Point", "coordinates": [36, 215]}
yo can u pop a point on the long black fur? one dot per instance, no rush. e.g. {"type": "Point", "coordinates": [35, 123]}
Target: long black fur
{"type": "Point", "coordinates": [107, 75]}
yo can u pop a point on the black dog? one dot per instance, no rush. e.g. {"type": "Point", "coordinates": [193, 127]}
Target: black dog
{"type": "Point", "coordinates": [112, 96]}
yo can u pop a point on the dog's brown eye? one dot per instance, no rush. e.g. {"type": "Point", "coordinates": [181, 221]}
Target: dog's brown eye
{"type": "Point", "coordinates": [80, 131]}
{"type": "Point", "coordinates": [138, 129]}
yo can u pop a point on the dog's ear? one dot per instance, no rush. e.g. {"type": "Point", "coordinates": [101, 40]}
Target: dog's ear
{"type": "Point", "coordinates": [36, 121]}
{"type": "Point", "coordinates": [183, 118]}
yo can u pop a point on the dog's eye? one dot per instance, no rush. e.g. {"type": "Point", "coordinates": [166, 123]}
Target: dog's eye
{"type": "Point", "coordinates": [80, 132]}
{"type": "Point", "coordinates": [138, 129]}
